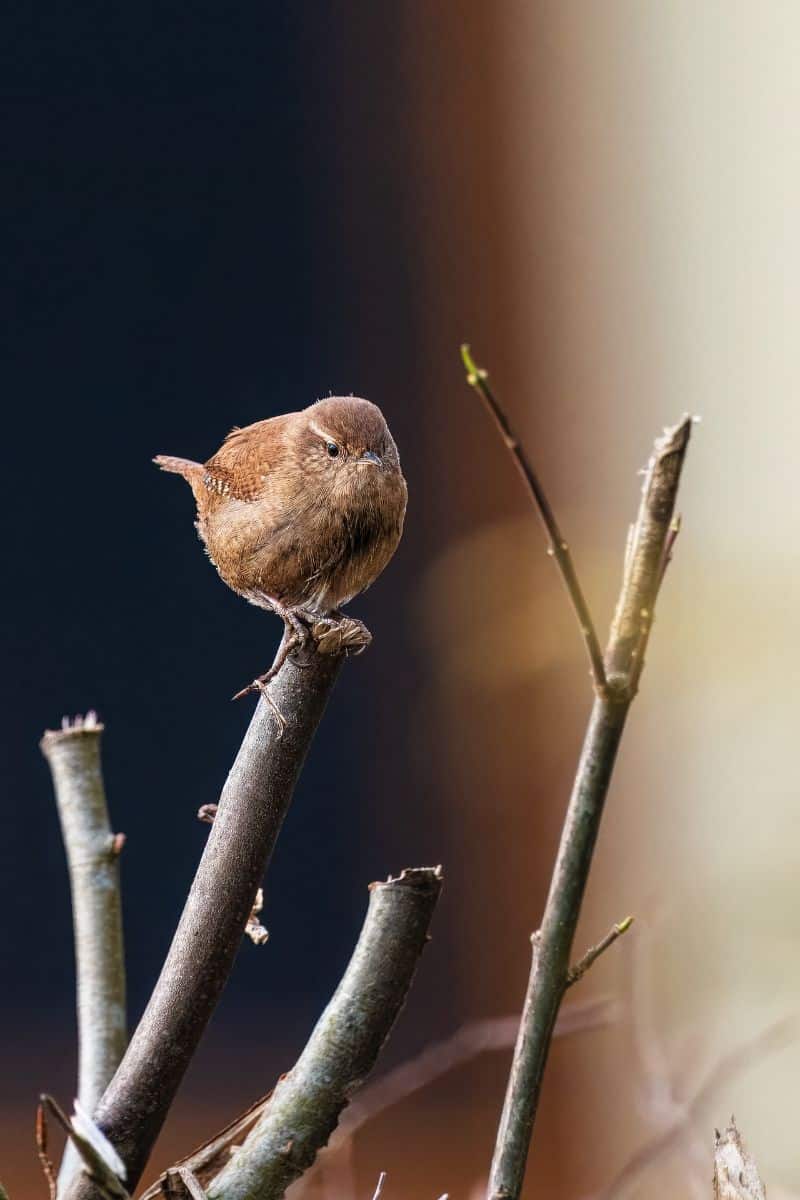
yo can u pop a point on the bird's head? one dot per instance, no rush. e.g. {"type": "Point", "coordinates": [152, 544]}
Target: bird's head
{"type": "Point", "coordinates": [347, 441]}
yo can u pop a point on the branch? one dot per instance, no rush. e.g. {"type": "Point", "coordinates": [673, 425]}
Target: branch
{"type": "Point", "coordinates": [558, 547]}
{"type": "Point", "coordinates": [305, 1106]}
{"type": "Point", "coordinates": [493, 1033]}
{"type": "Point", "coordinates": [253, 804]}
{"type": "Point", "coordinates": [99, 1158]}
{"type": "Point", "coordinates": [736, 1175]}
{"type": "Point", "coordinates": [593, 953]}
{"type": "Point", "coordinates": [652, 541]}
{"type": "Point", "coordinates": [73, 755]}
{"type": "Point", "coordinates": [43, 1152]}
{"type": "Point", "coordinates": [549, 975]}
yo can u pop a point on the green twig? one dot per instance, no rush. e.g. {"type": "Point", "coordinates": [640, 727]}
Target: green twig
{"type": "Point", "coordinates": [593, 953]}
{"type": "Point", "coordinates": [558, 547]}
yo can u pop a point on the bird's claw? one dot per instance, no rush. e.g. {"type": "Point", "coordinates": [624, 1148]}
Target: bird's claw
{"type": "Point", "coordinates": [263, 688]}
{"type": "Point", "coordinates": [340, 635]}
{"type": "Point", "coordinates": [332, 634]}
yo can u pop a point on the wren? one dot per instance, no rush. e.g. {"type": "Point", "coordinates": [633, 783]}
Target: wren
{"type": "Point", "coordinates": [301, 512]}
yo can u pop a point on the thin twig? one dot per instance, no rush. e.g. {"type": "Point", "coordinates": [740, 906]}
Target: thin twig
{"type": "Point", "coordinates": [478, 378]}
{"type": "Point", "coordinates": [254, 929]}
{"type": "Point", "coordinates": [42, 1151]}
{"type": "Point", "coordinates": [191, 1183]}
{"type": "Point", "coordinates": [207, 1160]}
{"type": "Point", "coordinates": [379, 1186]}
{"type": "Point", "coordinates": [99, 1159]}
{"type": "Point", "coordinates": [73, 755]}
{"type": "Point", "coordinates": [553, 943]}
{"type": "Point", "coordinates": [254, 802]}
{"type": "Point", "coordinates": [344, 1046]}
{"type": "Point", "coordinates": [593, 953]}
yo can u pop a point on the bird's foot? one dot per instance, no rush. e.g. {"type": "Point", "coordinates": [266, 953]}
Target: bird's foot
{"type": "Point", "coordinates": [261, 684]}
{"type": "Point", "coordinates": [295, 637]}
{"type": "Point", "coordinates": [337, 634]}
{"type": "Point", "coordinates": [331, 634]}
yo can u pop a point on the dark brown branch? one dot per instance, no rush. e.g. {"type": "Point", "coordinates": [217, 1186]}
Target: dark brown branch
{"type": "Point", "coordinates": [253, 804]}
{"type": "Point", "coordinates": [552, 944]}
{"type": "Point", "coordinates": [478, 378]}
{"type": "Point", "coordinates": [305, 1105]}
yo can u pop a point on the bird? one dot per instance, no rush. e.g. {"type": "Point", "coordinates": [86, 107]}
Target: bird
{"type": "Point", "coordinates": [300, 513]}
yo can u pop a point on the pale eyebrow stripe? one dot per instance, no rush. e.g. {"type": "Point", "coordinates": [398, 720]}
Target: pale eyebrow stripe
{"type": "Point", "coordinates": [328, 437]}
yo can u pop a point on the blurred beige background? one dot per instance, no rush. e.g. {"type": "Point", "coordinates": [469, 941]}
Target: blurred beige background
{"type": "Point", "coordinates": [608, 199]}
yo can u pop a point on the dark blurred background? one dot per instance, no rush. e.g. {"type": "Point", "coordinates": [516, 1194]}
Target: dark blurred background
{"type": "Point", "coordinates": [215, 215]}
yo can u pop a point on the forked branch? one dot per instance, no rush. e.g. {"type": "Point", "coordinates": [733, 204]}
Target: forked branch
{"type": "Point", "coordinates": [649, 546]}
{"type": "Point", "coordinates": [254, 802]}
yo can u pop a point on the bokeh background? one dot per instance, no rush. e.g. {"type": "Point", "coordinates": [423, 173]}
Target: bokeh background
{"type": "Point", "coordinates": [212, 215]}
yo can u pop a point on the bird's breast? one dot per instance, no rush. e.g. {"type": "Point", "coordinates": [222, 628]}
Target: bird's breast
{"type": "Point", "coordinates": [316, 553]}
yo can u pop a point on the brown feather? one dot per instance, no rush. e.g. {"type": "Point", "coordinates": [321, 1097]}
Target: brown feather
{"type": "Point", "coordinates": [287, 521]}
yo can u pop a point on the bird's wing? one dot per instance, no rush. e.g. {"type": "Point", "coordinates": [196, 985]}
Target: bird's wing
{"type": "Point", "coordinates": [243, 462]}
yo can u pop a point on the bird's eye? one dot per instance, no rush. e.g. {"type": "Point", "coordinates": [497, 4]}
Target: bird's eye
{"type": "Point", "coordinates": [332, 449]}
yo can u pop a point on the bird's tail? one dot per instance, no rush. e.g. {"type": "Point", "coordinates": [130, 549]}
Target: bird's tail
{"type": "Point", "coordinates": [192, 472]}
{"type": "Point", "coordinates": [179, 466]}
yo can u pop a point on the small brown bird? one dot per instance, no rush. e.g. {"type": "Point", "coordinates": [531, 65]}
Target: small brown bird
{"type": "Point", "coordinates": [300, 513]}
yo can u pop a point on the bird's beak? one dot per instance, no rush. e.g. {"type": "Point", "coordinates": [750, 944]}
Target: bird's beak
{"type": "Point", "coordinates": [369, 456]}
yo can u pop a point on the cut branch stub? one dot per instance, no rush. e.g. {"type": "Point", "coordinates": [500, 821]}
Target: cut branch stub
{"type": "Point", "coordinates": [649, 547]}
{"type": "Point", "coordinates": [305, 1105]}
{"type": "Point", "coordinates": [736, 1175]}
{"type": "Point", "coordinates": [92, 850]}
